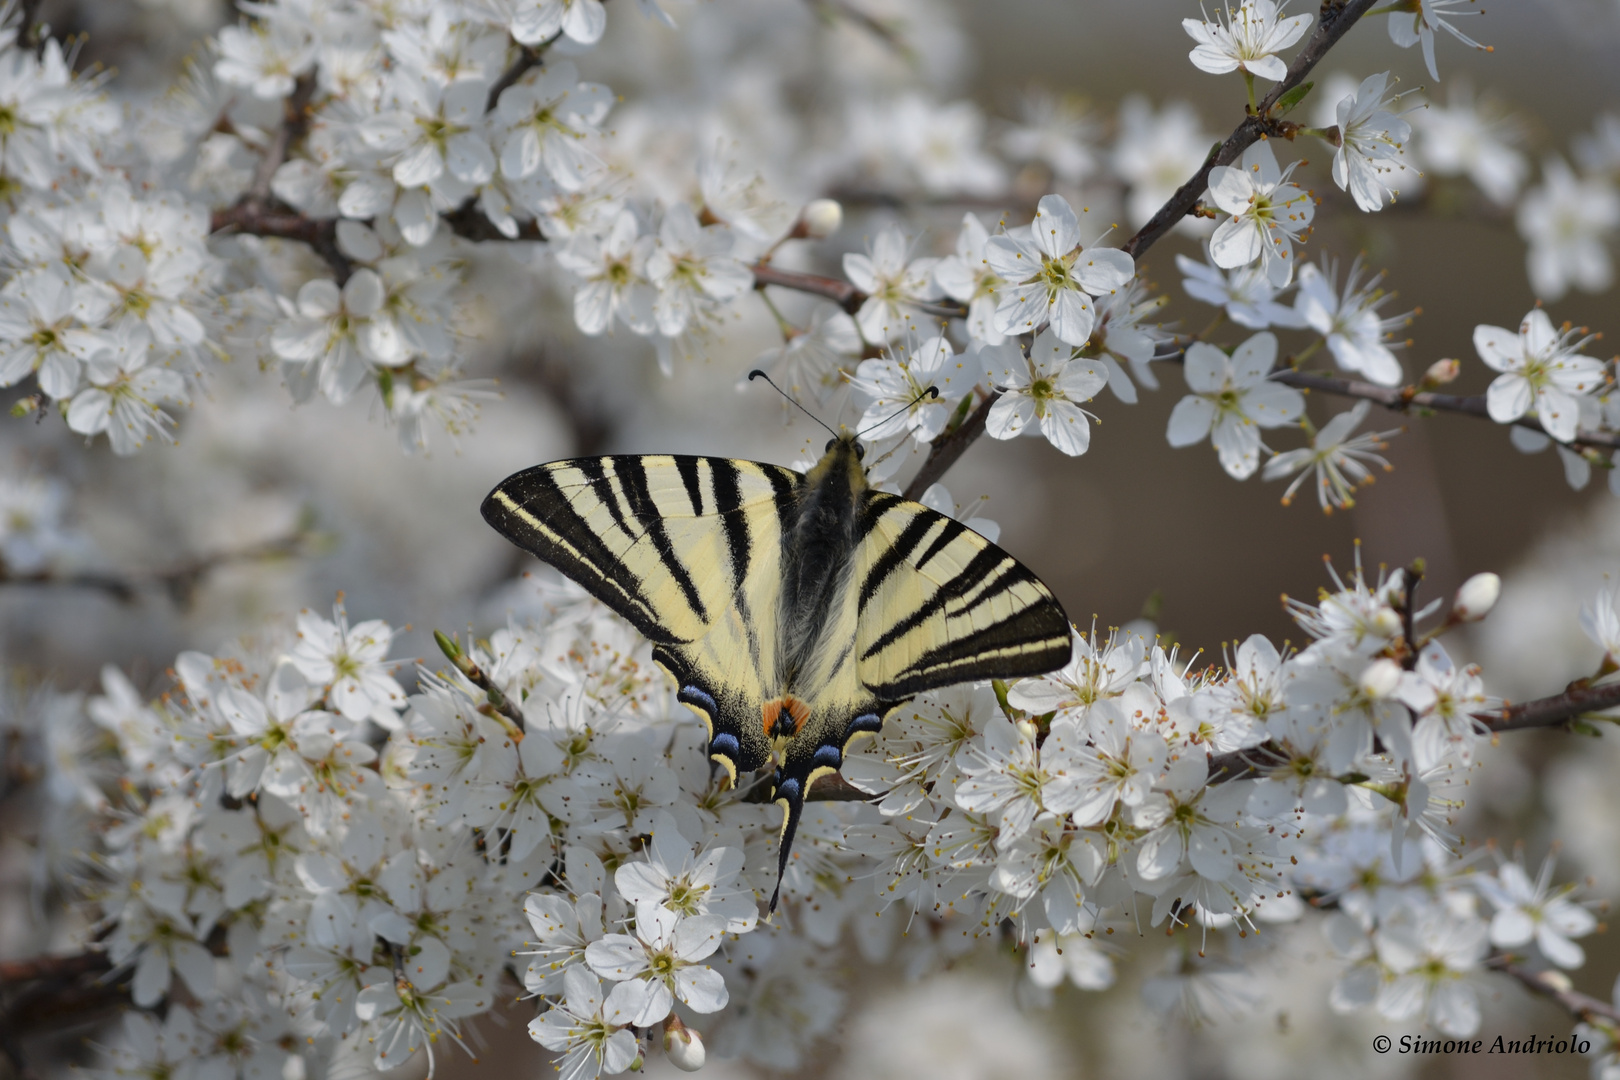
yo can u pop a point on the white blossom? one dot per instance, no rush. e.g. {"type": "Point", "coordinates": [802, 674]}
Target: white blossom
{"type": "Point", "coordinates": [1540, 370]}
{"type": "Point", "coordinates": [1372, 139]}
{"type": "Point", "coordinates": [1268, 214]}
{"type": "Point", "coordinates": [1049, 279]}
{"type": "Point", "coordinates": [1232, 399]}
{"type": "Point", "coordinates": [1415, 21]}
{"type": "Point", "coordinates": [1247, 41]}
{"type": "Point", "coordinates": [1566, 220]}
{"type": "Point", "coordinates": [1044, 390]}
{"type": "Point", "coordinates": [1336, 461]}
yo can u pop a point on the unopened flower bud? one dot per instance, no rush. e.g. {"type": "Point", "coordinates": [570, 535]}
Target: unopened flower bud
{"type": "Point", "coordinates": [1476, 597]}
{"type": "Point", "coordinates": [1028, 729]}
{"type": "Point", "coordinates": [684, 1046]}
{"type": "Point", "coordinates": [821, 218]}
{"type": "Point", "coordinates": [1442, 372]}
{"type": "Point", "coordinates": [1557, 980]}
{"type": "Point", "coordinates": [1381, 678]}
{"type": "Point", "coordinates": [1386, 623]}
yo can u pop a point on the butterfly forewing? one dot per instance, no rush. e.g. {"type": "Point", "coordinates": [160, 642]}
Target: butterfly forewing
{"type": "Point", "coordinates": [939, 604]}
{"type": "Point", "coordinates": [665, 542]}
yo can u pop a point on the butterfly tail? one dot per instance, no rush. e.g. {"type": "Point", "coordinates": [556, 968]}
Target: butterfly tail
{"type": "Point", "coordinates": [790, 794]}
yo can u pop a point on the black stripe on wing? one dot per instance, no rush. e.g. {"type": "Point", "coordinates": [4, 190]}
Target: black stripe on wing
{"type": "Point", "coordinates": [896, 555]}
{"type": "Point", "coordinates": [979, 569]}
{"type": "Point", "coordinates": [546, 525]}
{"type": "Point", "coordinates": [1033, 642]}
{"type": "Point", "coordinates": [632, 475]}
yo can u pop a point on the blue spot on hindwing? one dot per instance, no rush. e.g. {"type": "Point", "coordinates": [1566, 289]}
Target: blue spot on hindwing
{"type": "Point", "coordinates": [865, 722]}
{"type": "Point", "coordinates": [789, 790]}
{"type": "Point", "coordinates": [827, 757]}
{"type": "Point", "coordinates": [725, 744]}
{"type": "Point", "coordinates": [693, 695]}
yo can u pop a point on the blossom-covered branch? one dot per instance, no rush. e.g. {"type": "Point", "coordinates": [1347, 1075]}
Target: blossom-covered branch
{"type": "Point", "coordinates": [1406, 398]}
{"type": "Point", "coordinates": [1336, 20]}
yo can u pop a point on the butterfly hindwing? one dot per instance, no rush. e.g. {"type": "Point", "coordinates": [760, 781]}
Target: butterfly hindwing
{"type": "Point", "coordinates": [939, 604]}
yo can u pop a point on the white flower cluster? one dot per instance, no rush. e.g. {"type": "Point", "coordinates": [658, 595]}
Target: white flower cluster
{"type": "Point", "coordinates": [325, 865]}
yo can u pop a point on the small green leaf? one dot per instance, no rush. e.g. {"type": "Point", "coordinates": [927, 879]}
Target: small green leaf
{"type": "Point", "coordinates": [1289, 101]}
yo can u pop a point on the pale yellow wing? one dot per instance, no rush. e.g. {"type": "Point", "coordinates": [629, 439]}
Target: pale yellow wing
{"type": "Point", "coordinates": [939, 604]}
{"type": "Point", "coordinates": [688, 549]}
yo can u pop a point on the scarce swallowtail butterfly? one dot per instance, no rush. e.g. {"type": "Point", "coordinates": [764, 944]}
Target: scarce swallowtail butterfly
{"type": "Point", "coordinates": [794, 611]}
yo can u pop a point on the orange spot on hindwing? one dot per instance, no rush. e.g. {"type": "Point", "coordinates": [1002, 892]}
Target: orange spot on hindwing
{"type": "Point", "coordinates": [784, 716]}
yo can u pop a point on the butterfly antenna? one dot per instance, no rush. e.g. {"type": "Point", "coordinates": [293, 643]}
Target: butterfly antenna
{"type": "Point", "coordinates": [930, 392]}
{"type": "Point", "coordinates": [760, 374]}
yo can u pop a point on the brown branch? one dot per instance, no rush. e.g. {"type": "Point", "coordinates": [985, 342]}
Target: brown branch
{"type": "Point", "coordinates": [1334, 22]}
{"type": "Point", "coordinates": [1552, 711]}
{"type": "Point", "coordinates": [1404, 399]}
{"type": "Point", "coordinates": [294, 124]}
{"type": "Point", "coordinates": [944, 451]}
{"type": "Point", "coordinates": [840, 291]}
{"type": "Point", "coordinates": [320, 235]}
{"type": "Point", "coordinates": [1572, 704]}
{"type": "Point", "coordinates": [179, 581]}
{"type": "Point", "coordinates": [528, 57]}
{"type": "Point", "coordinates": [48, 992]}
{"type": "Point", "coordinates": [1552, 985]}
{"type": "Point", "coordinates": [37, 968]}
{"type": "Point", "coordinates": [837, 290]}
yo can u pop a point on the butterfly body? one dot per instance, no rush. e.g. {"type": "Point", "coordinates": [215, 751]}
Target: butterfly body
{"type": "Point", "coordinates": [794, 611]}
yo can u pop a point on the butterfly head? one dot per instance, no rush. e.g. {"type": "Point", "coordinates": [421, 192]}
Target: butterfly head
{"type": "Point", "coordinates": [837, 440]}
{"type": "Point", "coordinates": [841, 464]}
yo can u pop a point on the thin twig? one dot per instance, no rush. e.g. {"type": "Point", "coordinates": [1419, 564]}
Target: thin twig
{"type": "Point", "coordinates": [1551, 711]}
{"type": "Point", "coordinates": [1407, 398]}
{"type": "Point", "coordinates": [496, 703]}
{"type": "Point", "coordinates": [528, 56]}
{"type": "Point", "coordinates": [1573, 703]}
{"type": "Point", "coordinates": [1551, 985]}
{"type": "Point", "coordinates": [1332, 26]}
{"type": "Point", "coordinates": [320, 235]}
{"type": "Point", "coordinates": [840, 291]}
{"type": "Point", "coordinates": [1410, 579]}
{"type": "Point", "coordinates": [179, 581]}
{"type": "Point", "coordinates": [948, 447]}
{"type": "Point", "coordinates": [294, 123]}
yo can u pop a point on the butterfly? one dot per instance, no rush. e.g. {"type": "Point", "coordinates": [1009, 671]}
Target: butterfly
{"type": "Point", "coordinates": [795, 611]}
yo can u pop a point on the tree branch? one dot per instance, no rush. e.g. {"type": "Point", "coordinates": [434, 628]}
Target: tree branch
{"type": "Point", "coordinates": [1572, 704]}
{"type": "Point", "coordinates": [1552, 711]}
{"type": "Point", "coordinates": [1404, 399]}
{"type": "Point", "coordinates": [1553, 985]}
{"type": "Point", "coordinates": [1331, 26]}
{"type": "Point", "coordinates": [256, 220]}
{"type": "Point", "coordinates": [837, 290]}
{"type": "Point", "coordinates": [947, 448]}
{"type": "Point", "coordinates": [528, 57]}
{"type": "Point", "coordinates": [180, 581]}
